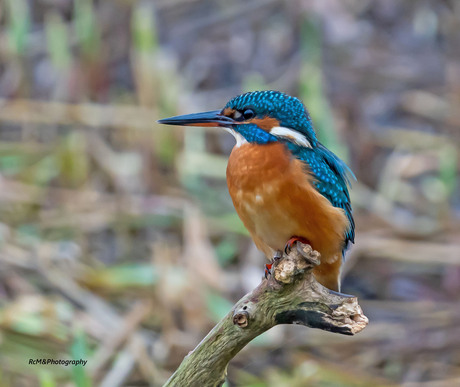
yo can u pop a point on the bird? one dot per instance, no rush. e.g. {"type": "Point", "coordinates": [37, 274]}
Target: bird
{"type": "Point", "coordinates": [286, 186]}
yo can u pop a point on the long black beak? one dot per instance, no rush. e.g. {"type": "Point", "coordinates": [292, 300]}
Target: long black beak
{"type": "Point", "coordinates": [214, 118]}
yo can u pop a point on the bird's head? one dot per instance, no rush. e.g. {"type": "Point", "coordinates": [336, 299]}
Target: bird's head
{"type": "Point", "coordinates": [259, 117]}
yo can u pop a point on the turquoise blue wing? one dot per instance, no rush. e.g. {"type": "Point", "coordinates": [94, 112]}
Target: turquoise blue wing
{"type": "Point", "coordinates": [331, 180]}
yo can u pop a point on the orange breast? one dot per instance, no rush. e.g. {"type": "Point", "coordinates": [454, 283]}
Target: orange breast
{"type": "Point", "coordinates": [273, 195]}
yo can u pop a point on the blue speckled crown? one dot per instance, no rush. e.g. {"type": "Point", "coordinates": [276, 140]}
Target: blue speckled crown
{"type": "Point", "coordinates": [289, 111]}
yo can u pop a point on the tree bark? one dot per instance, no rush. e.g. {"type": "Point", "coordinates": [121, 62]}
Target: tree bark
{"type": "Point", "coordinates": [290, 296]}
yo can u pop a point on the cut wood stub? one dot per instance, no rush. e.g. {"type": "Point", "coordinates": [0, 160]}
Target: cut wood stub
{"type": "Point", "coordinates": [301, 258]}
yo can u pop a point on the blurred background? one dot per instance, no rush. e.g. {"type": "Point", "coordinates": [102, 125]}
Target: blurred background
{"type": "Point", "coordinates": [119, 244]}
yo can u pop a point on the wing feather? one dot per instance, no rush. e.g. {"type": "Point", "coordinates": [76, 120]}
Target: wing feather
{"type": "Point", "coordinates": [332, 179]}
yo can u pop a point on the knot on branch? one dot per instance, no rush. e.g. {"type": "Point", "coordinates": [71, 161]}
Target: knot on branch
{"type": "Point", "coordinates": [241, 317]}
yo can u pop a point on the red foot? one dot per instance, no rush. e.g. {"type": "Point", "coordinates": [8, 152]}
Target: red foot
{"type": "Point", "coordinates": [268, 268]}
{"type": "Point", "coordinates": [290, 243]}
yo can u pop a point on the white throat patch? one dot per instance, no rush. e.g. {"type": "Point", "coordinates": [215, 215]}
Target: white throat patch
{"type": "Point", "coordinates": [291, 135]}
{"type": "Point", "coordinates": [240, 140]}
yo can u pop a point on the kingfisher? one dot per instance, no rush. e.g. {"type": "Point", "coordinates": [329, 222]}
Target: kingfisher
{"type": "Point", "coordinates": [285, 185]}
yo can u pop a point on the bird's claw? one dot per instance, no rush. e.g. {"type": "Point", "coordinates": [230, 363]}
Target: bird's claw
{"type": "Point", "coordinates": [268, 267]}
{"type": "Point", "coordinates": [267, 271]}
{"type": "Point", "coordinates": [290, 243]}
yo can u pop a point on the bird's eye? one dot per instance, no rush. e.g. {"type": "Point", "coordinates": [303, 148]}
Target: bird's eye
{"type": "Point", "coordinates": [248, 114]}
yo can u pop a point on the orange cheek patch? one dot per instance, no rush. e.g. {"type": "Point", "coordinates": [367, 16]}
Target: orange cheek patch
{"type": "Point", "coordinates": [228, 112]}
{"type": "Point", "coordinates": [266, 123]}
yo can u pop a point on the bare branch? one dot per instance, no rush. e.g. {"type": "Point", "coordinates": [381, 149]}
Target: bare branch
{"type": "Point", "coordinates": [290, 296]}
